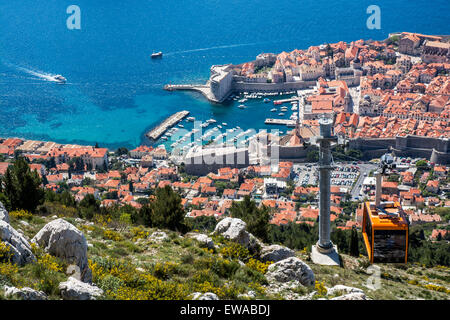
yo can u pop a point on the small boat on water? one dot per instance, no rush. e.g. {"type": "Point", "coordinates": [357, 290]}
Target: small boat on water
{"type": "Point", "coordinates": [266, 100]}
{"type": "Point", "coordinates": [273, 110]}
{"type": "Point", "coordinates": [281, 114]}
{"type": "Point", "coordinates": [219, 126]}
{"type": "Point", "coordinates": [190, 118]}
{"type": "Point", "coordinates": [156, 55]}
{"type": "Point", "coordinates": [60, 79]}
{"type": "Point", "coordinates": [224, 123]}
{"type": "Point", "coordinates": [242, 106]}
{"type": "Point", "coordinates": [181, 126]}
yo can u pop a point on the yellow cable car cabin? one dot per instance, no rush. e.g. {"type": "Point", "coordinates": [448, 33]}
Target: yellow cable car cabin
{"type": "Point", "coordinates": [385, 232]}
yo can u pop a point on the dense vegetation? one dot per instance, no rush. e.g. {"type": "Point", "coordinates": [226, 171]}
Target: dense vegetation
{"type": "Point", "coordinates": [257, 219]}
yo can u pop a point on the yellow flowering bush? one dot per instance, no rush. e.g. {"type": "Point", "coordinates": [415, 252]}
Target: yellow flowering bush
{"type": "Point", "coordinates": [224, 268]}
{"type": "Point", "coordinates": [258, 265]}
{"type": "Point", "coordinates": [86, 228]}
{"type": "Point", "coordinates": [101, 219]}
{"type": "Point", "coordinates": [134, 285]}
{"type": "Point", "coordinates": [235, 251]}
{"type": "Point", "coordinates": [49, 262]}
{"type": "Point", "coordinates": [139, 233]}
{"type": "Point", "coordinates": [164, 270]}
{"type": "Point", "coordinates": [20, 214]}
{"type": "Point", "coordinates": [8, 269]}
{"type": "Point", "coordinates": [437, 288]}
{"type": "Point", "coordinates": [320, 288]}
{"type": "Point", "coordinates": [112, 235]}
{"type": "Point", "coordinates": [156, 290]}
{"type": "Point", "coordinates": [223, 292]}
{"type": "Point", "coordinates": [257, 287]}
{"type": "Point", "coordinates": [430, 286]}
{"type": "Point", "coordinates": [5, 253]}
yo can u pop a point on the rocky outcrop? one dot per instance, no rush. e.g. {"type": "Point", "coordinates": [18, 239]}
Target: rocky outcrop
{"type": "Point", "coordinates": [235, 230]}
{"type": "Point", "coordinates": [62, 239]}
{"type": "Point", "coordinates": [202, 238]}
{"type": "Point", "coordinates": [24, 293]}
{"type": "Point", "coordinates": [204, 296]}
{"type": "Point", "coordinates": [4, 215]}
{"type": "Point", "coordinates": [20, 249]}
{"type": "Point", "coordinates": [341, 289]}
{"type": "Point", "coordinates": [249, 295]}
{"type": "Point", "coordinates": [159, 236]}
{"type": "Point", "coordinates": [275, 253]}
{"type": "Point", "coordinates": [352, 296]}
{"type": "Point", "coordinates": [74, 289]}
{"type": "Point", "coordinates": [291, 269]}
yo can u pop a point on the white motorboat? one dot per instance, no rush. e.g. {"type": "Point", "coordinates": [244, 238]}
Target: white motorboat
{"type": "Point", "coordinates": [60, 79]}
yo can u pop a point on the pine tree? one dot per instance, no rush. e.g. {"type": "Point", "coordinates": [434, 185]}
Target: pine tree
{"type": "Point", "coordinates": [354, 248]}
{"type": "Point", "coordinates": [22, 187]}
{"type": "Point", "coordinates": [131, 187]}
{"type": "Point", "coordinates": [166, 210]}
{"type": "Point", "coordinates": [257, 219]}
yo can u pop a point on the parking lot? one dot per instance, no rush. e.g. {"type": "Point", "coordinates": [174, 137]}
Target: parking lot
{"type": "Point", "coordinates": [344, 176]}
{"type": "Point", "coordinates": [306, 174]}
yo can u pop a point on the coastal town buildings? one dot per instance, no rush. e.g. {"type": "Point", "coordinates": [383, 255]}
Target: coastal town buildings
{"type": "Point", "coordinates": [382, 96]}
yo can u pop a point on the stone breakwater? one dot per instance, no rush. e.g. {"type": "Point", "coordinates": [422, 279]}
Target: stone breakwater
{"type": "Point", "coordinates": [166, 124]}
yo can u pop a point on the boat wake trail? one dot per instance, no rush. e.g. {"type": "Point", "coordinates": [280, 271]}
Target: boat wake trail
{"type": "Point", "coordinates": [39, 75]}
{"type": "Point", "coordinates": [210, 48]}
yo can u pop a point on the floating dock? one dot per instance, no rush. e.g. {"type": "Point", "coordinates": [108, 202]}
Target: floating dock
{"type": "Point", "coordinates": [166, 124]}
{"type": "Point", "coordinates": [286, 122]}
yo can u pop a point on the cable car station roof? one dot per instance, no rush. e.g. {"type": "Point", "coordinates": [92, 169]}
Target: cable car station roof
{"type": "Point", "coordinates": [388, 216]}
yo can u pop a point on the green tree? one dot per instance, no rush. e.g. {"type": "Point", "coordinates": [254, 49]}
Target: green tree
{"type": "Point", "coordinates": [120, 151]}
{"type": "Point", "coordinates": [131, 186]}
{"type": "Point", "coordinates": [312, 156]}
{"type": "Point", "coordinates": [422, 164]}
{"type": "Point", "coordinates": [354, 248]}
{"type": "Point", "coordinates": [76, 164]}
{"type": "Point", "coordinates": [167, 211]}
{"type": "Point", "coordinates": [22, 187]}
{"type": "Point", "coordinates": [143, 216]}
{"type": "Point", "coordinates": [257, 219]}
{"type": "Point", "coordinates": [89, 206]}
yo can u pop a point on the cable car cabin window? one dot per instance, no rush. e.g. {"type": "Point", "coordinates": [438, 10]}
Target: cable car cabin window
{"type": "Point", "coordinates": [368, 229]}
{"type": "Point", "coordinates": [389, 246]}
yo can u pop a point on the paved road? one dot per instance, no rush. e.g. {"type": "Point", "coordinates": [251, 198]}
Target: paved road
{"type": "Point", "coordinates": [355, 94]}
{"type": "Point", "coordinates": [363, 168]}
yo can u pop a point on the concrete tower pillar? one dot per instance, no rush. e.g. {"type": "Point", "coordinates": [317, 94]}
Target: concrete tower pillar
{"type": "Point", "coordinates": [379, 181]}
{"type": "Point", "coordinates": [325, 167]}
{"type": "Point", "coordinates": [325, 252]}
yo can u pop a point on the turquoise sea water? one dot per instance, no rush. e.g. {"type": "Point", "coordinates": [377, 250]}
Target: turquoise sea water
{"type": "Point", "coordinates": [114, 90]}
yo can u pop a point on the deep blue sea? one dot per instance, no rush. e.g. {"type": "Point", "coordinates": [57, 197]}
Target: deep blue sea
{"type": "Point", "coordinates": [114, 90]}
